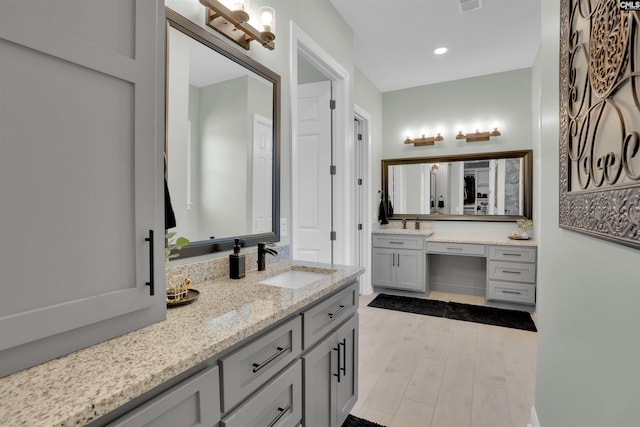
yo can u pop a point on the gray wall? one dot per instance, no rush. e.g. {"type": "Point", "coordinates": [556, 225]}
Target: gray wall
{"type": "Point", "coordinates": [588, 290]}
{"type": "Point", "coordinates": [503, 99]}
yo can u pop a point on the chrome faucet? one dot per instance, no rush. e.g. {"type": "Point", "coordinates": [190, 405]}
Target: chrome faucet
{"type": "Point", "coordinates": [262, 252]}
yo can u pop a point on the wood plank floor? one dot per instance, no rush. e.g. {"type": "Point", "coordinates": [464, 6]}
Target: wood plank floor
{"type": "Point", "coordinates": [422, 371]}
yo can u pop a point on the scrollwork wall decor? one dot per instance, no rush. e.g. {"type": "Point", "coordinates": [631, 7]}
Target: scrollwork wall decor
{"type": "Point", "coordinates": [600, 120]}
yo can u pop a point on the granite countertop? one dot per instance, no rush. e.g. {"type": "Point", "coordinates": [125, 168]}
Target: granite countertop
{"type": "Point", "coordinates": [85, 385]}
{"type": "Point", "coordinates": [423, 231]}
{"type": "Point", "coordinates": [483, 240]}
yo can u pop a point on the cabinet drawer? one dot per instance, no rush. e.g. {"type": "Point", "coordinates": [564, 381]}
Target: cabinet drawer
{"type": "Point", "coordinates": [320, 319]}
{"type": "Point", "coordinates": [398, 242]}
{"type": "Point", "coordinates": [513, 292]}
{"type": "Point", "coordinates": [194, 402]}
{"type": "Point", "coordinates": [511, 271]}
{"type": "Point", "coordinates": [512, 253]}
{"type": "Point", "coordinates": [249, 367]}
{"type": "Point", "coordinates": [278, 404]}
{"type": "Point", "coordinates": [468, 249]}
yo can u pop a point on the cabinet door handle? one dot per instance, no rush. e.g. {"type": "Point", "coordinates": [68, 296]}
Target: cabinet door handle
{"type": "Point", "coordinates": [150, 283]}
{"type": "Point", "coordinates": [511, 272]}
{"type": "Point", "coordinates": [339, 369]}
{"type": "Point", "coordinates": [398, 260]}
{"type": "Point", "coordinates": [393, 260]}
{"type": "Point", "coordinates": [338, 311]}
{"type": "Point", "coordinates": [281, 412]}
{"type": "Point", "coordinates": [281, 351]}
{"type": "Point", "coordinates": [511, 292]}
{"type": "Point", "coordinates": [397, 243]}
{"type": "Point", "coordinates": [510, 254]}
{"type": "Point", "coordinates": [343, 368]}
{"type": "Point", "coordinates": [454, 249]}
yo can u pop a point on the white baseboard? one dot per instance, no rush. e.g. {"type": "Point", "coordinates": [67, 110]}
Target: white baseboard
{"type": "Point", "coordinates": [534, 418]}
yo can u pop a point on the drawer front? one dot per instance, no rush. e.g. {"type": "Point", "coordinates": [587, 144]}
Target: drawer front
{"type": "Point", "coordinates": [468, 249]}
{"type": "Point", "coordinates": [512, 292]}
{"type": "Point", "coordinates": [398, 241]}
{"type": "Point", "coordinates": [278, 404]}
{"type": "Point", "coordinates": [511, 271]}
{"type": "Point", "coordinates": [322, 318]}
{"type": "Point", "coordinates": [249, 367]}
{"type": "Point", "coordinates": [512, 253]}
{"type": "Point", "coordinates": [194, 402]}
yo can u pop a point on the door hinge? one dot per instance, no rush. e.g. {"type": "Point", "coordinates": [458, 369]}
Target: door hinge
{"type": "Point", "coordinates": [359, 137]}
{"type": "Point", "coordinates": [359, 226]}
{"type": "Point", "coordinates": [332, 104]}
{"type": "Point", "coordinates": [332, 170]}
{"type": "Point", "coordinates": [332, 236]}
{"type": "Point", "coordinates": [359, 181]}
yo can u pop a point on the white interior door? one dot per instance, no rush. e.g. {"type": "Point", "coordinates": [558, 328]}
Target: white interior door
{"type": "Point", "coordinates": [262, 217]}
{"type": "Point", "coordinates": [311, 185]}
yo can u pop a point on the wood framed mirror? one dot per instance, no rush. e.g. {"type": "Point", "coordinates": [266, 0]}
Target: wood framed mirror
{"type": "Point", "coordinates": [473, 187]}
{"type": "Point", "coordinates": [223, 141]}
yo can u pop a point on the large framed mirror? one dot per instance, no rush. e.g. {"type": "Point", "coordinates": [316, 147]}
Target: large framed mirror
{"type": "Point", "coordinates": [473, 187]}
{"type": "Point", "coordinates": [222, 141]}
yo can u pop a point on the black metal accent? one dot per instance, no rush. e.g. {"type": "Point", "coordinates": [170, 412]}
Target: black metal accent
{"type": "Point", "coordinates": [338, 311]}
{"type": "Point", "coordinates": [359, 181]}
{"type": "Point", "coordinates": [333, 236]}
{"type": "Point", "coordinates": [281, 351]}
{"type": "Point", "coordinates": [359, 137]}
{"type": "Point", "coordinates": [332, 104]}
{"type": "Point", "coordinates": [359, 226]}
{"type": "Point", "coordinates": [281, 412]}
{"type": "Point", "coordinates": [343, 368]}
{"type": "Point", "coordinates": [150, 283]}
{"type": "Point", "coordinates": [338, 350]}
{"type": "Point", "coordinates": [398, 260]}
{"type": "Point", "coordinates": [332, 170]}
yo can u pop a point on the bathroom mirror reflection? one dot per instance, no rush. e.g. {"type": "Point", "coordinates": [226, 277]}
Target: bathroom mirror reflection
{"type": "Point", "coordinates": [221, 141]}
{"type": "Point", "coordinates": [478, 187]}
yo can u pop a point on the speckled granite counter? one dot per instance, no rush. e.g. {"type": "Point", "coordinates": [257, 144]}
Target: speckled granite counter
{"type": "Point", "coordinates": [483, 240]}
{"type": "Point", "coordinates": [85, 385]}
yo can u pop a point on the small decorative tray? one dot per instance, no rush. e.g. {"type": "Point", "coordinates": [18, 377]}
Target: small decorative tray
{"type": "Point", "coordinates": [192, 295]}
{"type": "Point", "coordinates": [519, 238]}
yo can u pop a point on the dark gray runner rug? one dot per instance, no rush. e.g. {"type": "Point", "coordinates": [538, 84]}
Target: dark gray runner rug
{"type": "Point", "coordinates": [352, 421]}
{"type": "Point", "coordinates": [452, 310]}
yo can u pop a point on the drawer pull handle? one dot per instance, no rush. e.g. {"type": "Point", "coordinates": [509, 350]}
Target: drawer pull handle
{"type": "Point", "coordinates": [396, 243]}
{"type": "Point", "coordinates": [281, 351]}
{"type": "Point", "coordinates": [454, 249]}
{"type": "Point", "coordinates": [510, 254]}
{"type": "Point", "coordinates": [281, 412]}
{"type": "Point", "coordinates": [338, 311]}
{"type": "Point", "coordinates": [511, 272]}
{"type": "Point", "coordinates": [511, 292]}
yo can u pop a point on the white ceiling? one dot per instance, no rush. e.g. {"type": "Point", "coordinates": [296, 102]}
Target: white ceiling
{"type": "Point", "coordinates": [394, 40]}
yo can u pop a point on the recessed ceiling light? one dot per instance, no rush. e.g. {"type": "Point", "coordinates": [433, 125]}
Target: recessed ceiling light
{"type": "Point", "coordinates": [440, 50]}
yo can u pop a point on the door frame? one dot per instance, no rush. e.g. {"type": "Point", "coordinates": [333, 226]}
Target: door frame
{"type": "Point", "coordinates": [302, 44]}
{"type": "Point", "coordinates": [365, 118]}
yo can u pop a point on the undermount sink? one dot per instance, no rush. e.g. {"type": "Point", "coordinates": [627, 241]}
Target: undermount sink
{"type": "Point", "coordinates": [294, 279]}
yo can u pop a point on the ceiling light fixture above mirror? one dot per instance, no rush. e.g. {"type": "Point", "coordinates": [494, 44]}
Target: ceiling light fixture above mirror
{"type": "Point", "coordinates": [234, 23]}
{"type": "Point", "coordinates": [478, 136]}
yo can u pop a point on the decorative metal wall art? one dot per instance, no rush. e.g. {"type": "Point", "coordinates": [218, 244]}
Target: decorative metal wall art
{"type": "Point", "coordinates": [600, 120]}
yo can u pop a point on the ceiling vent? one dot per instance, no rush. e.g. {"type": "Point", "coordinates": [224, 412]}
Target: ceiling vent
{"type": "Point", "coordinates": [466, 6]}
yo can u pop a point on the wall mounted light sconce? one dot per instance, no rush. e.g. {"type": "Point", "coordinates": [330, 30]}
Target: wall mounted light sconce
{"type": "Point", "coordinates": [424, 140]}
{"type": "Point", "coordinates": [478, 136]}
{"type": "Point", "coordinates": [234, 23]}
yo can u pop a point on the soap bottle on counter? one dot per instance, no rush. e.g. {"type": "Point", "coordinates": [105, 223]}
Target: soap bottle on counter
{"type": "Point", "coordinates": [236, 262]}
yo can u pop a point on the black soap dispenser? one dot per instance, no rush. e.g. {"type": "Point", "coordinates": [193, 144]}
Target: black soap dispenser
{"type": "Point", "coordinates": [236, 262]}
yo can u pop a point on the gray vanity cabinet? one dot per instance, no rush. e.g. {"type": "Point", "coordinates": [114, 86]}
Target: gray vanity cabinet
{"type": "Point", "coordinates": [81, 114]}
{"type": "Point", "coordinates": [193, 403]}
{"type": "Point", "coordinates": [331, 377]}
{"type": "Point", "coordinates": [399, 261]}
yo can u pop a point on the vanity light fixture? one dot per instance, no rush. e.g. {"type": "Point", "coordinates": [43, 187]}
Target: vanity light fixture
{"type": "Point", "coordinates": [234, 23]}
{"type": "Point", "coordinates": [477, 135]}
{"type": "Point", "coordinates": [424, 140]}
